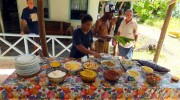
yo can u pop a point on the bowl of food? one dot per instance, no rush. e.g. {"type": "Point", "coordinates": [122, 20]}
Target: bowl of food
{"type": "Point", "coordinates": [55, 64]}
{"type": "Point", "coordinates": [128, 62]}
{"type": "Point", "coordinates": [134, 74]}
{"type": "Point", "coordinates": [111, 75]}
{"type": "Point", "coordinates": [90, 65]}
{"type": "Point", "coordinates": [153, 79]}
{"type": "Point", "coordinates": [72, 67]}
{"type": "Point", "coordinates": [88, 76]}
{"type": "Point", "coordinates": [146, 69]}
{"type": "Point", "coordinates": [108, 63]}
{"type": "Point", "coordinates": [56, 76]}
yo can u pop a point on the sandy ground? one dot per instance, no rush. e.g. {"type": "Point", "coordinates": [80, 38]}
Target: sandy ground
{"type": "Point", "coordinates": [172, 44]}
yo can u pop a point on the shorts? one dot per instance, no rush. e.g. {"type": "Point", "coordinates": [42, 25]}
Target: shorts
{"type": "Point", "coordinates": [126, 52]}
{"type": "Point", "coordinates": [101, 46]}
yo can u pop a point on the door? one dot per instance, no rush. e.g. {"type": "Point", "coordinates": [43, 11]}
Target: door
{"type": "Point", "coordinates": [10, 16]}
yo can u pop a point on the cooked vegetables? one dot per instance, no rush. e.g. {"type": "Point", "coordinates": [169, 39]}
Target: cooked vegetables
{"type": "Point", "coordinates": [88, 73]}
{"type": "Point", "coordinates": [55, 64]}
{"type": "Point", "coordinates": [72, 65]}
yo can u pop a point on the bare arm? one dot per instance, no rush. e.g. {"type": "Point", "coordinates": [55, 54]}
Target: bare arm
{"type": "Point", "coordinates": [91, 47]}
{"type": "Point", "coordinates": [86, 51]}
{"type": "Point", "coordinates": [135, 38]}
{"type": "Point", "coordinates": [23, 24]}
{"type": "Point", "coordinates": [96, 29]}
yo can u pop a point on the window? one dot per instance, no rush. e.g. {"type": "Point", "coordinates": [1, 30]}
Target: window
{"type": "Point", "coordinates": [78, 8]}
{"type": "Point", "coordinates": [46, 7]}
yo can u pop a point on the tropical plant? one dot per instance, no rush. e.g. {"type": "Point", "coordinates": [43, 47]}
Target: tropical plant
{"type": "Point", "coordinates": [151, 9]}
{"type": "Point", "coordinates": [123, 40]}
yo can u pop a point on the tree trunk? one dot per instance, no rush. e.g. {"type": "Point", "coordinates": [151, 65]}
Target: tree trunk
{"type": "Point", "coordinates": [163, 32]}
{"type": "Point", "coordinates": [41, 27]}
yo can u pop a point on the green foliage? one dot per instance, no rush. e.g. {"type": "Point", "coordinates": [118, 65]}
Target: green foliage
{"type": "Point", "coordinates": [122, 39]}
{"type": "Point", "coordinates": [151, 9]}
{"type": "Point", "coordinates": [176, 12]}
{"type": "Point", "coordinates": [174, 23]}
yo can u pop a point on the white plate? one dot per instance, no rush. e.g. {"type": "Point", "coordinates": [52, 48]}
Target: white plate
{"type": "Point", "coordinates": [106, 56]}
{"type": "Point", "coordinates": [26, 59]}
{"type": "Point", "coordinates": [91, 65]}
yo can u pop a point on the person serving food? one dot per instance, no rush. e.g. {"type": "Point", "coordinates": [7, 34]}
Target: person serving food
{"type": "Point", "coordinates": [82, 39]}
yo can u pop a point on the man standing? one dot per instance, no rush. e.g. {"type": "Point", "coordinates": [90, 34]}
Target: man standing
{"type": "Point", "coordinates": [102, 29]}
{"type": "Point", "coordinates": [119, 19]}
{"type": "Point", "coordinates": [128, 28]}
{"type": "Point", "coordinates": [83, 39]}
{"type": "Point", "coordinates": [29, 17]}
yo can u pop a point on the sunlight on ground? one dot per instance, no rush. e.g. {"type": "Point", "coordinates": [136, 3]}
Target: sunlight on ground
{"type": "Point", "coordinates": [6, 71]}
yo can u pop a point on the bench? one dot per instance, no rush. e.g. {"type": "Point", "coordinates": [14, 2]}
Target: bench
{"type": "Point", "coordinates": [58, 28]}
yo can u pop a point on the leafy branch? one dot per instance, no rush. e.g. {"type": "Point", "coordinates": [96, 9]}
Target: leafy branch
{"type": "Point", "coordinates": [123, 40]}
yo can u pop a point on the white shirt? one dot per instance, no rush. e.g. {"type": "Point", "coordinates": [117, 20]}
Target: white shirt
{"type": "Point", "coordinates": [128, 30]}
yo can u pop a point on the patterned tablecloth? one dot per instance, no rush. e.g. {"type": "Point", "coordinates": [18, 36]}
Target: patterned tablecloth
{"type": "Point", "coordinates": [73, 88]}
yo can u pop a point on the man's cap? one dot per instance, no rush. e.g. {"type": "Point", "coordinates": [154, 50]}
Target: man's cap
{"type": "Point", "coordinates": [110, 8]}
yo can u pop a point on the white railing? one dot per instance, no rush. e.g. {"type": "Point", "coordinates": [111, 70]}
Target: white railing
{"type": "Point", "coordinates": [28, 38]}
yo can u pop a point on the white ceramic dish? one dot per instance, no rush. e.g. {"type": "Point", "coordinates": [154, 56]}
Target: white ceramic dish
{"type": "Point", "coordinates": [106, 56]}
{"type": "Point", "coordinates": [25, 59]}
{"type": "Point", "coordinates": [70, 66]}
{"type": "Point", "coordinates": [27, 65]}
{"type": "Point", "coordinates": [90, 65]}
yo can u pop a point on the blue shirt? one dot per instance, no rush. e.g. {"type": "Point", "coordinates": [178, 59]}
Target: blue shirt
{"type": "Point", "coordinates": [79, 38]}
{"type": "Point", "coordinates": [31, 18]}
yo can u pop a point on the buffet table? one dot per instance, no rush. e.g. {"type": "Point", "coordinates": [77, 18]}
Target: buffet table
{"type": "Point", "coordinates": [39, 87]}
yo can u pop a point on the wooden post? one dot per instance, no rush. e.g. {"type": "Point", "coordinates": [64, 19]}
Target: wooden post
{"type": "Point", "coordinates": [163, 32]}
{"type": "Point", "coordinates": [41, 26]}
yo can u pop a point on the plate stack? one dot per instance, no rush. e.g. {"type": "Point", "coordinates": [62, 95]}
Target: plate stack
{"type": "Point", "coordinates": [27, 65]}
